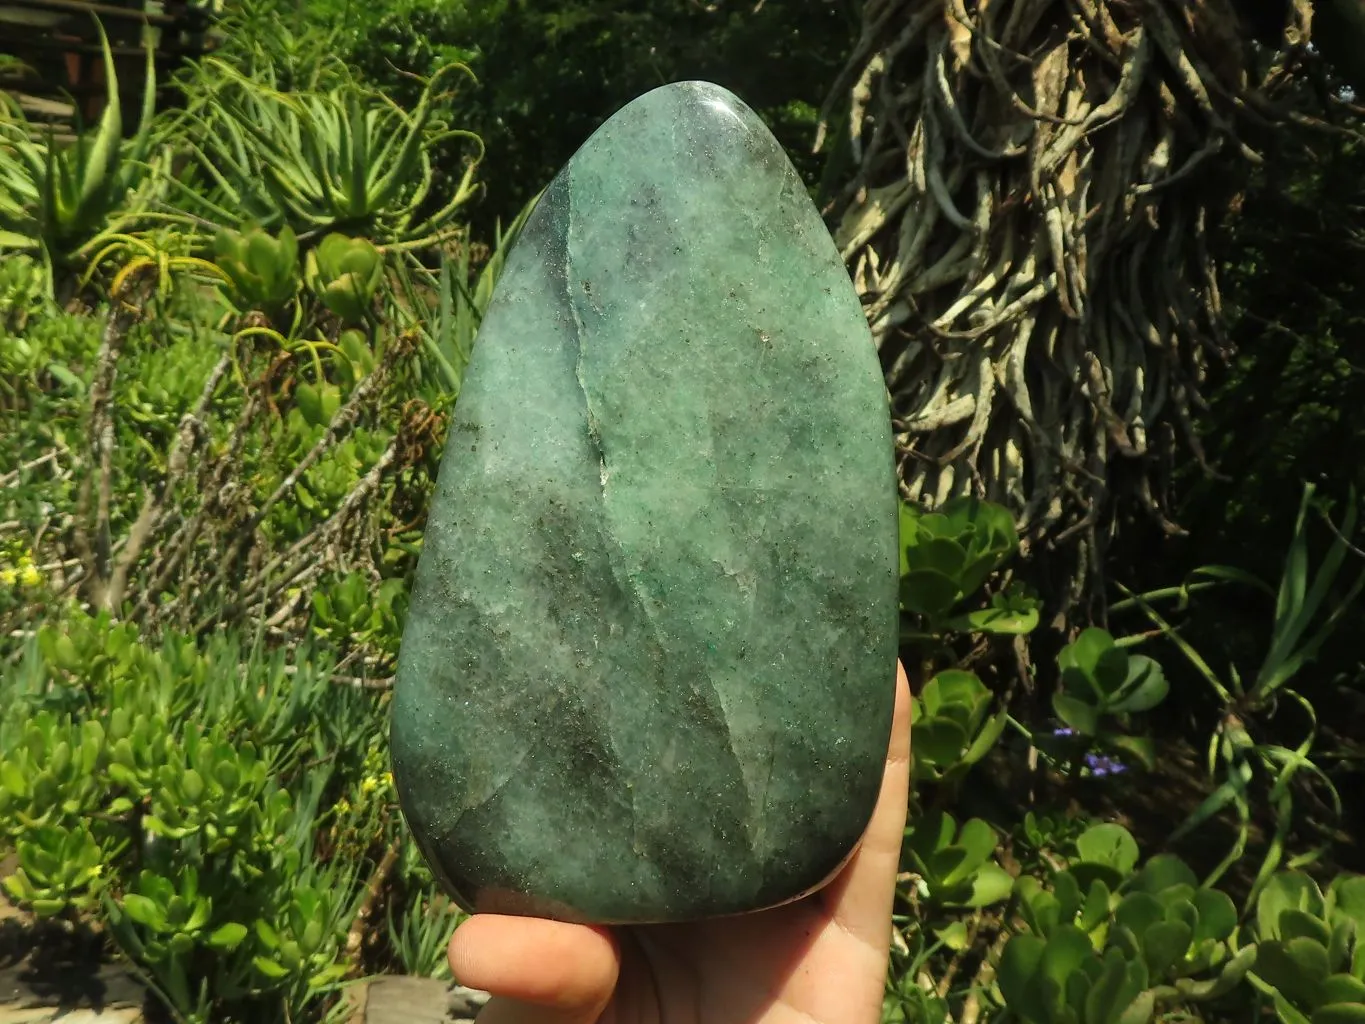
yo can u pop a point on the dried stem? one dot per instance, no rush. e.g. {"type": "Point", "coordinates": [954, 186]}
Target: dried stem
{"type": "Point", "coordinates": [1026, 228]}
{"type": "Point", "coordinates": [93, 540]}
{"type": "Point", "coordinates": [192, 427]}
{"type": "Point", "coordinates": [355, 938]}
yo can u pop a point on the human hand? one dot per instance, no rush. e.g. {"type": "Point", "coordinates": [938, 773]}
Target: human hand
{"type": "Point", "coordinates": [819, 960]}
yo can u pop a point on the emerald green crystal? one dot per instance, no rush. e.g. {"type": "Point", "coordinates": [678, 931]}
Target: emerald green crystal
{"type": "Point", "coordinates": [647, 673]}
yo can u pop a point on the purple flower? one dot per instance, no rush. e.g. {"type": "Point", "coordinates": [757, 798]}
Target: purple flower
{"type": "Point", "coordinates": [1101, 765]}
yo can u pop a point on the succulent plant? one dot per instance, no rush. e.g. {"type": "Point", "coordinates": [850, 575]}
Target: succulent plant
{"type": "Point", "coordinates": [1062, 979]}
{"type": "Point", "coordinates": [953, 727]}
{"type": "Point", "coordinates": [344, 273]}
{"type": "Point", "coordinates": [262, 269]}
{"type": "Point", "coordinates": [1108, 945]}
{"type": "Point", "coordinates": [49, 775]}
{"type": "Point", "coordinates": [58, 868]}
{"type": "Point", "coordinates": [1310, 948]}
{"type": "Point", "coordinates": [1183, 931]}
{"type": "Point", "coordinates": [317, 403]}
{"type": "Point", "coordinates": [955, 867]}
{"type": "Point", "coordinates": [947, 555]}
{"type": "Point", "coordinates": [1100, 678]}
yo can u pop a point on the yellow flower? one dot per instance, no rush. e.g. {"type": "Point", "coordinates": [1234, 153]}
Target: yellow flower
{"type": "Point", "coordinates": [8, 577]}
{"type": "Point", "coordinates": [343, 806]}
{"type": "Point", "coordinates": [29, 576]}
{"type": "Point", "coordinates": [368, 785]}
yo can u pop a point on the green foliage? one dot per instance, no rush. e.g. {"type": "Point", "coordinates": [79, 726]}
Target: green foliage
{"type": "Point", "coordinates": [262, 269]}
{"type": "Point", "coordinates": [39, 343]}
{"type": "Point", "coordinates": [1062, 980]}
{"type": "Point", "coordinates": [353, 612]}
{"type": "Point", "coordinates": [221, 811]}
{"type": "Point", "coordinates": [550, 73]}
{"type": "Point", "coordinates": [21, 292]}
{"type": "Point", "coordinates": [341, 157]}
{"type": "Point", "coordinates": [422, 933]}
{"type": "Point", "coordinates": [1289, 403]}
{"type": "Point", "coordinates": [59, 869]}
{"type": "Point", "coordinates": [946, 557]}
{"type": "Point", "coordinates": [1099, 680]}
{"type": "Point", "coordinates": [57, 200]}
{"type": "Point", "coordinates": [176, 793]}
{"type": "Point", "coordinates": [1309, 605]}
{"type": "Point", "coordinates": [345, 273]}
{"type": "Point", "coordinates": [1108, 943]}
{"type": "Point", "coordinates": [954, 867]}
{"type": "Point", "coordinates": [448, 310]}
{"type": "Point", "coordinates": [951, 726]}
{"type": "Point", "coordinates": [906, 1000]}
{"type": "Point", "coordinates": [1093, 935]}
{"type": "Point", "coordinates": [1310, 948]}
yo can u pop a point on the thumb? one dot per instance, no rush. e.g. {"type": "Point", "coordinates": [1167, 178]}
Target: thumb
{"type": "Point", "coordinates": [538, 971]}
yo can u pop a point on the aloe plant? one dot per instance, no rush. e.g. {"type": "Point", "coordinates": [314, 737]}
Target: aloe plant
{"type": "Point", "coordinates": [449, 325]}
{"type": "Point", "coordinates": [1309, 605]}
{"type": "Point", "coordinates": [341, 159]}
{"type": "Point", "coordinates": [58, 200]}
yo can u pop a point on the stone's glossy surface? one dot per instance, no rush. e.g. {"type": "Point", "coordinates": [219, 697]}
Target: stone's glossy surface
{"type": "Point", "coordinates": [647, 673]}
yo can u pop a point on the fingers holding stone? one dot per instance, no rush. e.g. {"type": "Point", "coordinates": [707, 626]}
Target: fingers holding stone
{"type": "Point", "coordinates": [860, 898]}
{"type": "Point", "coordinates": [536, 970]}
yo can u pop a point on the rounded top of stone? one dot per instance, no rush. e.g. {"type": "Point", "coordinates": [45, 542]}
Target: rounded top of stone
{"type": "Point", "coordinates": [692, 97]}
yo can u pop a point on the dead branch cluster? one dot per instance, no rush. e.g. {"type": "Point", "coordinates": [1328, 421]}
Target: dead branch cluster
{"type": "Point", "coordinates": [1028, 226]}
{"type": "Point", "coordinates": [196, 556]}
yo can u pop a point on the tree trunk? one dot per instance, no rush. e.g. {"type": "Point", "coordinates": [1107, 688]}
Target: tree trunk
{"type": "Point", "coordinates": [1031, 191]}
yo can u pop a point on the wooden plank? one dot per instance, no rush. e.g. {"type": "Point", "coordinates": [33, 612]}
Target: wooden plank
{"type": "Point", "coordinates": [104, 10]}
{"type": "Point", "coordinates": [103, 994]}
{"type": "Point", "coordinates": [41, 107]}
{"type": "Point", "coordinates": [163, 51]}
{"type": "Point", "coordinates": [400, 999]}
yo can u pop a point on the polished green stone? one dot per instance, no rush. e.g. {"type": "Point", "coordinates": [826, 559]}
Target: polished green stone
{"type": "Point", "coordinates": [647, 672]}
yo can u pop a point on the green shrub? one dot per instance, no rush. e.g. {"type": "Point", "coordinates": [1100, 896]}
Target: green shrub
{"type": "Point", "coordinates": [317, 159]}
{"type": "Point", "coordinates": [179, 794]}
{"type": "Point", "coordinates": [550, 73]}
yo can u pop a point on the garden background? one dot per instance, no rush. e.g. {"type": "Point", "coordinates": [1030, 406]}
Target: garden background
{"type": "Point", "coordinates": [1109, 254]}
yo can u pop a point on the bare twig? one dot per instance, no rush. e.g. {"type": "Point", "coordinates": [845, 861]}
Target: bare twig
{"type": "Point", "coordinates": [42, 460]}
{"type": "Point", "coordinates": [93, 537]}
{"type": "Point", "coordinates": [355, 938]}
{"type": "Point", "coordinates": [191, 428]}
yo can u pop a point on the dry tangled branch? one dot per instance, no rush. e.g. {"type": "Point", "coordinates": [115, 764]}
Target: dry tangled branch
{"type": "Point", "coordinates": [195, 556]}
{"type": "Point", "coordinates": [1027, 220]}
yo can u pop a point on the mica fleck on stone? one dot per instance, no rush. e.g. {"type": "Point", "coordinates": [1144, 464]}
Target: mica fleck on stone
{"type": "Point", "coordinates": [648, 668]}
